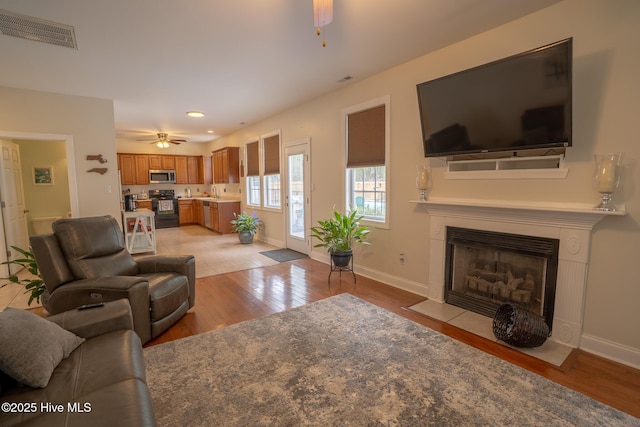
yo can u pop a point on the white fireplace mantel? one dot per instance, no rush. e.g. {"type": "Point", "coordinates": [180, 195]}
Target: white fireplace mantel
{"type": "Point", "coordinates": [570, 223]}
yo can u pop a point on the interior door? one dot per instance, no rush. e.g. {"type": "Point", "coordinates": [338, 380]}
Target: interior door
{"type": "Point", "coordinates": [297, 199]}
{"type": "Point", "coordinates": [13, 207]}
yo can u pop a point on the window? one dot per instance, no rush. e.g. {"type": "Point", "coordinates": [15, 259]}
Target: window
{"type": "Point", "coordinates": [253, 174]}
{"type": "Point", "coordinates": [271, 168]}
{"type": "Point", "coordinates": [367, 157]}
{"type": "Point", "coordinates": [263, 172]}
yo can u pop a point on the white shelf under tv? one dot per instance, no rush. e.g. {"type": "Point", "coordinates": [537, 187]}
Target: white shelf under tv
{"type": "Point", "coordinates": [535, 167]}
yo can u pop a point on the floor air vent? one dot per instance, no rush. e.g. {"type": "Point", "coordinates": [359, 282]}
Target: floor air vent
{"type": "Point", "coordinates": [36, 29]}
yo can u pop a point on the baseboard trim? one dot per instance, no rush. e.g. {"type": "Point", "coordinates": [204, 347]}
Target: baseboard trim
{"type": "Point", "coordinates": [387, 279]}
{"type": "Point", "coordinates": [270, 241]}
{"type": "Point", "coordinates": [610, 350]}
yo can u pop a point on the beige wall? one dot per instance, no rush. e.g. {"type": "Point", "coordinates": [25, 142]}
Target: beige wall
{"type": "Point", "coordinates": [606, 105]}
{"type": "Point", "coordinates": [89, 124]}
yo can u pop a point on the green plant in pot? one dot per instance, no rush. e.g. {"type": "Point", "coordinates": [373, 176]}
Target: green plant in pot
{"type": "Point", "coordinates": [339, 234]}
{"type": "Point", "coordinates": [35, 285]}
{"type": "Point", "coordinates": [246, 226]}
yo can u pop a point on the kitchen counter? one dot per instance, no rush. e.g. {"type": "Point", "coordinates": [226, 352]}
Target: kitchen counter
{"type": "Point", "coordinates": [212, 199]}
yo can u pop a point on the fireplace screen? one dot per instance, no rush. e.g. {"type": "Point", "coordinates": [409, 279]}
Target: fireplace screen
{"type": "Point", "coordinates": [486, 269]}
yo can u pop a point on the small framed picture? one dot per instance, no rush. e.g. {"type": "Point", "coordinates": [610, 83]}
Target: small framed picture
{"type": "Point", "coordinates": [43, 175]}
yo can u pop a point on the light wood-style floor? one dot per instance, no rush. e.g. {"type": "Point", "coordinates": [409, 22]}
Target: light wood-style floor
{"type": "Point", "coordinates": [229, 298]}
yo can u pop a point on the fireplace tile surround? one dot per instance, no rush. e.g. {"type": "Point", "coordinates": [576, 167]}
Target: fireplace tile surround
{"type": "Point", "coordinates": [570, 223]}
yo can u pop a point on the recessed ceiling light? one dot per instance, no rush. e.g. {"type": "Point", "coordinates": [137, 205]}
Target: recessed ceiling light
{"type": "Point", "coordinates": [210, 131]}
{"type": "Point", "coordinates": [195, 114]}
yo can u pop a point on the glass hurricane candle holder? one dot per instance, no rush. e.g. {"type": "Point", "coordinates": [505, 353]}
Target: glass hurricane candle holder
{"type": "Point", "coordinates": [607, 178]}
{"type": "Point", "coordinates": [423, 182]}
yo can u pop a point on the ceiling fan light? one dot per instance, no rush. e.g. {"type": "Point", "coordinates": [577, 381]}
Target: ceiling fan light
{"type": "Point", "coordinates": [322, 15]}
{"type": "Point", "coordinates": [322, 12]}
{"type": "Point", "coordinates": [159, 144]}
{"type": "Point", "coordinates": [165, 144]}
{"type": "Point", "coordinates": [195, 114]}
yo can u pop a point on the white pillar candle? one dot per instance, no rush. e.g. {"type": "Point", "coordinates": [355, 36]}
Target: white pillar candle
{"type": "Point", "coordinates": [608, 175]}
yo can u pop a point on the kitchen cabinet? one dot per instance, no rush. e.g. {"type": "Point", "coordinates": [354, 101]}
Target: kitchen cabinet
{"type": "Point", "coordinates": [182, 173]}
{"type": "Point", "coordinates": [185, 209]}
{"type": "Point", "coordinates": [142, 169]}
{"type": "Point", "coordinates": [157, 161]}
{"type": "Point", "coordinates": [139, 231]}
{"type": "Point", "coordinates": [198, 212]}
{"type": "Point", "coordinates": [226, 165]}
{"type": "Point", "coordinates": [222, 214]}
{"type": "Point", "coordinates": [207, 170]}
{"type": "Point", "coordinates": [134, 168]}
{"type": "Point", "coordinates": [144, 204]}
{"type": "Point", "coordinates": [194, 169]}
{"type": "Point", "coordinates": [127, 168]}
{"type": "Point", "coordinates": [190, 170]}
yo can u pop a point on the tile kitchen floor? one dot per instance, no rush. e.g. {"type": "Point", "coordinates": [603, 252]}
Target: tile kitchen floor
{"type": "Point", "coordinates": [215, 254]}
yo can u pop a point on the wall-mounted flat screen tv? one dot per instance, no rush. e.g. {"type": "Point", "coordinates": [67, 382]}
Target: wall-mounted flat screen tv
{"type": "Point", "coordinates": [518, 103]}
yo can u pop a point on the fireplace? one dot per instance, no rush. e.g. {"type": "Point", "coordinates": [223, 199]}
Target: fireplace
{"type": "Point", "coordinates": [485, 269]}
{"type": "Point", "coordinates": [570, 224]}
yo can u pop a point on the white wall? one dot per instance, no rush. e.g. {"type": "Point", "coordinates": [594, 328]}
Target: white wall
{"type": "Point", "coordinates": [90, 125]}
{"type": "Point", "coordinates": [606, 105]}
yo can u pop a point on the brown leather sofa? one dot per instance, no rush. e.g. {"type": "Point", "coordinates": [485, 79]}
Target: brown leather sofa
{"type": "Point", "coordinates": [85, 261]}
{"type": "Point", "coordinates": [101, 383]}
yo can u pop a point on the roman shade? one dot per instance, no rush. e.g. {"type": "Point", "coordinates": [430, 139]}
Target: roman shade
{"type": "Point", "coordinates": [271, 152]}
{"type": "Point", "coordinates": [366, 135]}
{"type": "Point", "coordinates": [253, 164]}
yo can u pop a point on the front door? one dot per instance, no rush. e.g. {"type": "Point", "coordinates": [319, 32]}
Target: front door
{"type": "Point", "coordinates": [13, 206]}
{"type": "Point", "coordinates": [297, 200]}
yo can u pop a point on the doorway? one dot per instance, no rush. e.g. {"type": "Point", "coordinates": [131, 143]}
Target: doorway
{"type": "Point", "coordinates": [16, 234]}
{"type": "Point", "coordinates": [298, 195]}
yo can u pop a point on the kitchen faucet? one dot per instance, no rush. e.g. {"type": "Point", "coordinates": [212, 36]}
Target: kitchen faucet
{"type": "Point", "coordinates": [214, 191]}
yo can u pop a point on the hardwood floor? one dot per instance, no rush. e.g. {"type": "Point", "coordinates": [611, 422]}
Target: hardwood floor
{"type": "Point", "coordinates": [230, 298]}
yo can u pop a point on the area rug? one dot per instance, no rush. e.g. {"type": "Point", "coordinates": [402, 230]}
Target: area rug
{"type": "Point", "coordinates": [283, 255]}
{"type": "Point", "coordinates": [342, 361]}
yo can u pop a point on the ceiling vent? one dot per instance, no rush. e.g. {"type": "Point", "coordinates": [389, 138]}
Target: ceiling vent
{"type": "Point", "coordinates": [36, 29]}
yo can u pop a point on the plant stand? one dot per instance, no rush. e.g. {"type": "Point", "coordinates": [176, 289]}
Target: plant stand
{"type": "Point", "coordinates": [340, 269]}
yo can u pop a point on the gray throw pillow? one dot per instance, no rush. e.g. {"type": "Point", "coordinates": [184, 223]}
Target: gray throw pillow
{"type": "Point", "coordinates": [31, 347]}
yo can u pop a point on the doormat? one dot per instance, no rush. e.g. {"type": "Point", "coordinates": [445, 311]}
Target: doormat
{"type": "Point", "coordinates": [283, 255]}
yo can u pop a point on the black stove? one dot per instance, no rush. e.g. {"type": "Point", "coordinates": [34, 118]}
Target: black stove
{"type": "Point", "coordinates": [165, 206]}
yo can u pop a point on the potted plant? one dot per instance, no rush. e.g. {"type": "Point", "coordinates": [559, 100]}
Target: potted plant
{"type": "Point", "coordinates": [246, 226]}
{"type": "Point", "coordinates": [35, 285]}
{"type": "Point", "coordinates": [338, 234]}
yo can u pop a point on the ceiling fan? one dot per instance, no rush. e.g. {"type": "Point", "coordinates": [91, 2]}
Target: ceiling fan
{"type": "Point", "coordinates": [163, 140]}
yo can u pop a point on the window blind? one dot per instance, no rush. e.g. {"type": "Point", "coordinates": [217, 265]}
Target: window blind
{"type": "Point", "coordinates": [366, 138]}
{"type": "Point", "coordinates": [253, 164]}
{"type": "Point", "coordinates": [271, 147]}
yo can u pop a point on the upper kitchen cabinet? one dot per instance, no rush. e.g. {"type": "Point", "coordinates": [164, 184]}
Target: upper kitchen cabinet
{"type": "Point", "coordinates": [142, 169]}
{"type": "Point", "coordinates": [226, 165]}
{"type": "Point", "coordinates": [192, 170]}
{"type": "Point", "coordinates": [127, 168]}
{"type": "Point", "coordinates": [182, 173]}
{"type": "Point", "coordinates": [157, 161]}
{"type": "Point", "coordinates": [134, 168]}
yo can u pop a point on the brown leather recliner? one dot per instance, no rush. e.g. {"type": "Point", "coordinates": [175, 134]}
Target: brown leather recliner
{"type": "Point", "coordinates": [85, 261]}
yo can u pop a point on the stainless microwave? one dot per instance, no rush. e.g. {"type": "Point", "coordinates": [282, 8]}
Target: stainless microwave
{"type": "Point", "coordinates": [157, 176]}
